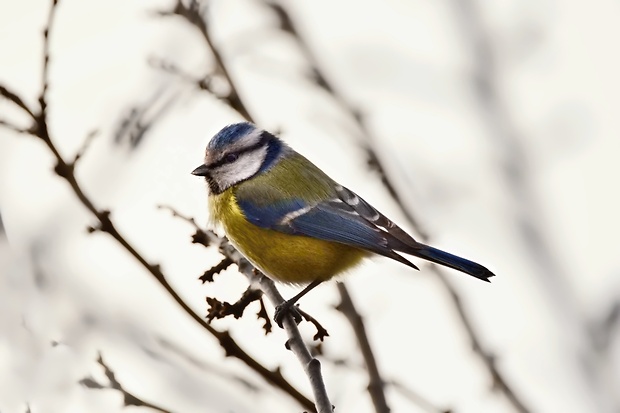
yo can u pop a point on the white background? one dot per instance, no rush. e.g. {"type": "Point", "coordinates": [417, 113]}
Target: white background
{"type": "Point", "coordinates": [523, 180]}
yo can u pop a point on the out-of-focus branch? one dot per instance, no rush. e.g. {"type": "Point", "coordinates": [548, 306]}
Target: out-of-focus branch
{"type": "Point", "coordinates": [317, 75]}
{"type": "Point", "coordinates": [417, 399]}
{"type": "Point", "coordinates": [515, 170]}
{"type": "Point", "coordinates": [604, 329]}
{"type": "Point", "coordinates": [65, 170]}
{"type": "Point", "coordinates": [141, 117]}
{"type": "Point", "coordinates": [193, 14]}
{"type": "Point", "coordinates": [9, 95]}
{"type": "Point", "coordinates": [129, 399]}
{"type": "Point", "coordinates": [376, 384]}
{"type": "Point", "coordinates": [369, 141]}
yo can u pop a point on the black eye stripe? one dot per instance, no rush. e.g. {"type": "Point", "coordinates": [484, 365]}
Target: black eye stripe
{"type": "Point", "coordinates": [231, 157]}
{"type": "Point", "coordinates": [225, 158]}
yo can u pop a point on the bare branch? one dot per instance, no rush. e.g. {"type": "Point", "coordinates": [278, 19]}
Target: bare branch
{"type": "Point", "coordinates": [11, 96]}
{"type": "Point", "coordinates": [129, 399]}
{"type": "Point", "coordinates": [140, 118]}
{"type": "Point", "coordinates": [208, 275]}
{"type": "Point", "coordinates": [193, 15]}
{"type": "Point", "coordinates": [262, 315]}
{"type": "Point", "coordinates": [204, 83]}
{"type": "Point", "coordinates": [376, 383]}
{"type": "Point", "coordinates": [295, 343]}
{"type": "Point", "coordinates": [14, 128]}
{"type": "Point", "coordinates": [46, 60]}
{"type": "Point", "coordinates": [219, 309]}
{"type": "Point", "coordinates": [85, 145]}
{"type": "Point", "coordinates": [321, 332]}
{"type": "Point", "coordinates": [416, 398]}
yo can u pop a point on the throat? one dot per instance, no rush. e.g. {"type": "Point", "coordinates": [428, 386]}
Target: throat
{"type": "Point", "coordinates": [214, 188]}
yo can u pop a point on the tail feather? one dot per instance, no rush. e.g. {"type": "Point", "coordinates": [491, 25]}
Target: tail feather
{"type": "Point", "coordinates": [449, 260]}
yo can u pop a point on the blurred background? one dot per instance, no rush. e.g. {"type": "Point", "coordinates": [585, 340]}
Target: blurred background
{"type": "Point", "coordinates": [494, 124]}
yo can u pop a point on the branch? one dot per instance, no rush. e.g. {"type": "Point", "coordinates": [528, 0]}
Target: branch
{"type": "Point", "coordinates": [9, 95]}
{"type": "Point", "coordinates": [417, 399]}
{"type": "Point", "coordinates": [203, 83]}
{"type": "Point", "coordinates": [369, 142]}
{"type": "Point", "coordinates": [311, 365]}
{"type": "Point", "coordinates": [376, 384]}
{"type": "Point", "coordinates": [46, 59]}
{"type": "Point", "coordinates": [10, 126]}
{"type": "Point", "coordinates": [192, 14]}
{"type": "Point", "coordinates": [65, 170]}
{"type": "Point", "coordinates": [295, 343]}
{"type": "Point", "coordinates": [129, 399]}
{"type": "Point", "coordinates": [219, 309]}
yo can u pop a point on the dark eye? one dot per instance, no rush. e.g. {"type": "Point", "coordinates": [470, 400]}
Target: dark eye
{"type": "Point", "coordinates": [231, 157]}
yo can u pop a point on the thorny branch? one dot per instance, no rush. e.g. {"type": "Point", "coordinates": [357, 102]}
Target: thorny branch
{"type": "Point", "coordinates": [105, 224]}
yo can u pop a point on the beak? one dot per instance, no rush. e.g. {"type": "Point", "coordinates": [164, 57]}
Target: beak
{"type": "Point", "coordinates": [202, 170]}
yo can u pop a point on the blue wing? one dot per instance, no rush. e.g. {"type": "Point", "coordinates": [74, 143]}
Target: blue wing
{"type": "Point", "coordinates": [348, 219]}
{"type": "Point", "coordinates": [329, 220]}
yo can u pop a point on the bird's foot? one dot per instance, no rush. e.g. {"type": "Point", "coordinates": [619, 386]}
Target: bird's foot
{"type": "Point", "coordinates": [284, 309]}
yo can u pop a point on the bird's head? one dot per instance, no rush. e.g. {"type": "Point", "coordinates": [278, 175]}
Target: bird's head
{"type": "Point", "coordinates": [237, 153]}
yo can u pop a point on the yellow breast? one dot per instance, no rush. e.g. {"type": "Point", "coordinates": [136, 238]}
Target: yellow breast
{"type": "Point", "coordinates": [283, 257]}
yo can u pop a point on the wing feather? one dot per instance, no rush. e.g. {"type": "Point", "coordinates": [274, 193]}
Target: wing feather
{"type": "Point", "coordinates": [331, 220]}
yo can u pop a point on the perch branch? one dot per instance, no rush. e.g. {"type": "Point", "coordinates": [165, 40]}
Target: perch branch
{"type": "Point", "coordinates": [295, 343]}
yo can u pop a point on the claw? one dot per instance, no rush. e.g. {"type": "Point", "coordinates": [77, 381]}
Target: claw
{"type": "Point", "coordinates": [284, 309]}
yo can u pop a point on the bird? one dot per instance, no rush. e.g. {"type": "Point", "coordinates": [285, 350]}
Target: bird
{"type": "Point", "coordinates": [295, 223]}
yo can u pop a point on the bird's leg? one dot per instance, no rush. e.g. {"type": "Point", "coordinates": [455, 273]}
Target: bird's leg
{"type": "Point", "coordinates": [288, 307]}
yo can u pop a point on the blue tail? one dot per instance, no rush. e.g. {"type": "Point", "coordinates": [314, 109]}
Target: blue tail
{"type": "Point", "coordinates": [452, 261]}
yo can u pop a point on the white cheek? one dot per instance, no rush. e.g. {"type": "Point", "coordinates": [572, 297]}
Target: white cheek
{"type": "Point", "coordinates": [243, 168]}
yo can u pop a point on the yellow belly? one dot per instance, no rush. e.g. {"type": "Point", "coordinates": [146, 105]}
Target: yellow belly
{"type": "Point", "coordinates": [286, 258]}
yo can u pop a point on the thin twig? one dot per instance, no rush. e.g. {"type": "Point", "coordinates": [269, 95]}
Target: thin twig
{"type": "Point", "coordinates": [129, 399]}
{"type": "Point", "coordinates": [14, 128]}
{"type": "Point", "coordinates": [203, 83]}
{"type": "Point", "coordinates": [416, 398]}
{"type": "Point", "coordinates": [376, 383]}
{"type": "Point", "coordinates": [85, 145]}
{"type": "Point", "coordinates": [46, 60]}
{"type": "Point", "coordinates": [11, 96]}
{"type": "Point", "coordinates": [216, 269]}
{"type": "Point", "coordinates": [321, 332]}
{"type": "Point", "coordinates": [193, 14]}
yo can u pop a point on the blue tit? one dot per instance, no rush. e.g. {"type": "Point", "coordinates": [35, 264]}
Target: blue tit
{"type": "Point", "coordinates": [292, 221]}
